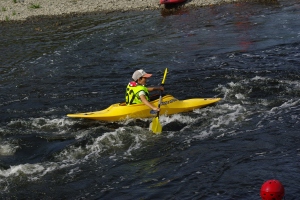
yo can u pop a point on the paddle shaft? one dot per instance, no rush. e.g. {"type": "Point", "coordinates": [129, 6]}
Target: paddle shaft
{"type": "Point", "coordinates": [160, 93]}
{"type": "Point", "coordinates": [155, 125]}
{"type": "Point", "coordinates": [159, 102]}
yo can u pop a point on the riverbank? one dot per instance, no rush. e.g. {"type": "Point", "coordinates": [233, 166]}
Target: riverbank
{"type": "Point", "coordinates": [22, 9]}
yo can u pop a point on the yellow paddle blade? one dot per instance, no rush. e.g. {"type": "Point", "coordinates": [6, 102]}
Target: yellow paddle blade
{"type": "Point", "coordinates": [165, 74]}
{"type": "Point", "coordinates": [155, 126]}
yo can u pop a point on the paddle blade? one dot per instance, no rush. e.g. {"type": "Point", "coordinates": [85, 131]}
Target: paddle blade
{"type": "Point", "coordinates": [155, 126]}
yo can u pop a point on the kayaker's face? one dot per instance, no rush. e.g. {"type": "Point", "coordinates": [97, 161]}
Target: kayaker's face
{"type": "Point", "coordinates": [142, 81]}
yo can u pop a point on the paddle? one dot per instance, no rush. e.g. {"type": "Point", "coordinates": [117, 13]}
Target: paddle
{"type": "Point", "coordinates": [155, 125]}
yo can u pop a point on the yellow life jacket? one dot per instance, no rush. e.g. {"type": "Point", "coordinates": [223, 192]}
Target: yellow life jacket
{"type": "Point", "coordinates": [132, 91]}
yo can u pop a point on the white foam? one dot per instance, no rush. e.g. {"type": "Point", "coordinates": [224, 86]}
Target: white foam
{"type": "Point", "coordinates": [22, 169]}
{"type": "Point", "coordinates": [136, 144]}
{"type": "Point", "coordinates": [123, 139]}
{"type": "Point", "coordinates": [226, 116]}
{"type": "Point", "coordinates": [176, 117]}
{"type": "Point", "coordinates": [7, 149]}
{"type": "Point", "coordinates": [239, 96]}
{"type": "Point", "coordinates": [258, 78]}
{"type": "Point", "coordinates": [44, 123]}
{"type": "Point", "coordinates": [58, 126]}
{"type": "Point", "coordinates": [285, 107]}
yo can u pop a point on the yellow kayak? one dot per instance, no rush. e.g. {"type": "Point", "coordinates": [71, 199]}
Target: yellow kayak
{"type": "Point", "coordinates": [169, 106]}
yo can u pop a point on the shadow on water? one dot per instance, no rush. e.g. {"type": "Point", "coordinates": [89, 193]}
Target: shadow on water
{"type": "Point", "coordinates": [174, 11]}
{"type": "Point", "coordinates": [181, 8]}
{"type": "Point", "coordinates": [267, 2]}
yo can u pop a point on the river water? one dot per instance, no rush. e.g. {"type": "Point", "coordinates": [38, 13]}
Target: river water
{"type": "Point", "coordinates": [246, 53]}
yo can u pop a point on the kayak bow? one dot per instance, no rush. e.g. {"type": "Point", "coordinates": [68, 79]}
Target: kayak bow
{"type": "Point", "coordinates": [169, 106]}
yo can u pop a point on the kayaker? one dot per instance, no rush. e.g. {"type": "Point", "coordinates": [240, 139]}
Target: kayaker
{"type": "Point", "coordinates": [137, 92]}
{"type": "Point", "coordinates": [272, 190]}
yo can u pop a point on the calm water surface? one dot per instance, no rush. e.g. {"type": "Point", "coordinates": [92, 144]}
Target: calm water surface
{"type": "Point", "coordinates": [246, 53]}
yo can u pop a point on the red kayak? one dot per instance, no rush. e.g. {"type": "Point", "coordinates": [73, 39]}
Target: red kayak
{"type": "Point", "coordinates": [171, 1]}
